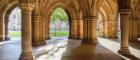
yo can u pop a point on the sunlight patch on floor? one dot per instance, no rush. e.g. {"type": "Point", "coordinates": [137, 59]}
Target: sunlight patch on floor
{"type": "Point", "coordinates": [115, 46]}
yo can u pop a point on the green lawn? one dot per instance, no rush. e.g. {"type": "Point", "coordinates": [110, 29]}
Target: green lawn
{"type": "Point", "coordinates": [15, 34]}
{"type": "Point", "coordinates": [57, 34]}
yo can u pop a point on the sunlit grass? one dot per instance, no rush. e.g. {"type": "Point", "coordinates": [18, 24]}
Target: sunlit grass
{"type": "Point", "coordinates": [15, 34]}
{"type": "Point", "coordinates": [59, 33]}
{"type": "Point", "coordinates": [56, 33]}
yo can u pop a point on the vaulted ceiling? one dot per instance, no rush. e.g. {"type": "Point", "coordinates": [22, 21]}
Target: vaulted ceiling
{"type": "Point", "coordinates": [87, 6]}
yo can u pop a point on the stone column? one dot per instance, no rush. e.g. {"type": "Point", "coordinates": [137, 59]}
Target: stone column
{"type": "Point", "coordinates": [47, 26]}
{"type": "Point", "coordinates": [133, 30]}
{"type": "Point", "coordinates": [81, 29]}
{"type": "Point", "coordinates": [114, 29]}
{"type": "Point", "coordinates": [38, 37]}
{"type": "Point", "coordinates": [6, 27]}
{"type": "Point", "coordinates": [138, 30]}
{"type": "Point", "coordinates": [107, 29]}
{"type": "Point", "coordinates": [78, 29]}
{"type": "Point", "coordinates": [73, 29]}
{"type": "Point", "coordinates": [1, 28]}
{"type": "Point", "coordinates": [111, 28]}
{"type": "Point", "coordinates": [90, 30]}
{"type": "Point", "coordinates": [124, 23]}
{"type": "Point", "coordinates": [26, 10]}
{"type": "Point", "coordinates": [44, 27]}
{"type": "Point", "coordinates": [70, 30]}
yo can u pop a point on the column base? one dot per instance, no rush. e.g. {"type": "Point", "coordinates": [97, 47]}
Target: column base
{"type": "Point", "coordinates": [111, 37]}
{"type": "Point", "coordinates": [73, 37]}
{"type": "Point", "coordinates": [78, 39]}
{"type": "Point", "coordinates": [1, 39]}
{"type": "Point", "coordinates": [124, 51]}
{"type": "Point", "coordinates": [70, 37]}
{"type": "Point", "coordinates": [47, 38]}
{"type": "Point", "coordinates": [85, 41]}
{"type": "Point", "coordinates": [26, 56]}
{"type": "Point", "coordinates": [7, 38]}
{"type": "Point", "coordinates": [38, 43]}
{"type": "Point", "coordinates": [101, 36]}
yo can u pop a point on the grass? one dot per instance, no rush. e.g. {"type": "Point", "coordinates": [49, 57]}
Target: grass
{"type": "Point", "coordinates": [58, 33]}
{"type": "Point", "coordinates": [15, 34]}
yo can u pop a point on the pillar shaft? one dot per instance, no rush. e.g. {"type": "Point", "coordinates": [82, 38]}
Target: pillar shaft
{"type": "Point", "coordinates": [81, 29]}
{"type": "Point", "coordinates": [73, 29]}
{"type": "Point", "coordinates": [78, 29]}
{"type": "Point", "coordinates": [124, 23]}
{"type": "Point", "coordinates": [26, 10]}
{"type": "Point", "coordinates": [133, 30]}
{"type": "Point", "coordinates": [47, 24]}
{"type": "Point", "coordinates": [38, 37]}
{"type": "Point", "coordinates": [111, 28]}
{"type": "Point", "coordinates": [1, 29]}
{"type": "Point", "coordinates": [6, 27]}
{"type": "Point", "coordinates": [114, 29]}
{"type": "Point", "coordinates": [43, 29]}
{"type": "Point", "coordinates": [107, 24]}
{"type": "Point", "coordinates": [90, 35]}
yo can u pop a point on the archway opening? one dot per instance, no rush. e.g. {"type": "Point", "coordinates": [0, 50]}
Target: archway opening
{"type": "Point", "coordinates": [59, 24]}
{"type": "Point", "coordinates": [14, 24]}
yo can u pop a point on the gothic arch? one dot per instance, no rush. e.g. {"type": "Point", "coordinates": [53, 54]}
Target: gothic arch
{"type": "Point", "coordinates": [6, 10]}
{"type": "Point", "coordinates": [58, 6]}
{"type": "Point", "coordinates": [137, 12]}
{"type": "Point", "coordinates": [110, 9]}
{"type": "Point", "coordinates": [69, 10]}
{"type": "Point", "coordinates": [9, 6]}
{"type": "Point", "coordinates": [110, 18]}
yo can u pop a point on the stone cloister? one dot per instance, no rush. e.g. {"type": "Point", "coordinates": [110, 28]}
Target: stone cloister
{"type": "Point", "coordinates": [114, 16]}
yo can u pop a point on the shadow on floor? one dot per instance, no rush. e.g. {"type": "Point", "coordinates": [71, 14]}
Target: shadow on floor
{"type": "Point", "coordinates": [135, 44]}
{"type": "Point", "coordinates": [132, 57]}
{"type": "Point", "coordinates": [90, 52]}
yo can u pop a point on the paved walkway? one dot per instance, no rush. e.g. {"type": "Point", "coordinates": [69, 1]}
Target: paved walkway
{"type": "Point", "coordinates": [63, 49]}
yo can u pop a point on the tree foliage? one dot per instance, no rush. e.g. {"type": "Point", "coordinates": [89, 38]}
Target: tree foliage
{"type": "Point", "coordinates": [59, 14]}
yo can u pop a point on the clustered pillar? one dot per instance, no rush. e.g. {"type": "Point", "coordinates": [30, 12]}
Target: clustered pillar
{"type": "Point", "coordinates": [111, 29]}
{"type": "Point", "coordinates": [47, 27]}
{"type": "Point", "coordinates": [133, 35]}
{"type": "Point", "coordinates": [73, 29]}
{"type": "Point", "coordinates": [80, 29]}
{"type": "Point", "coordinates": [26, 10]}
{"type": "Point", "coordinates": [38, 32]}
{"type": "Point", "coordinates": [89, 25]}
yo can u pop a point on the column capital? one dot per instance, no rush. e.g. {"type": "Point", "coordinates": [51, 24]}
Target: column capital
{"type": "Point", "coordinates": [89, 17]}
{"type": "Point", "coordinates": [124, 11]}
{"type": "Point", "coordinates": [36, 17]}
{"type": "Point", "coordinates": [77, 19]}
{"type": "Point", "coordinates": [26, 7]}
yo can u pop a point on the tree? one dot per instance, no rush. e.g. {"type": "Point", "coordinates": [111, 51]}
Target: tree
{"type": "Point", "coordinates": [59, 14]}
